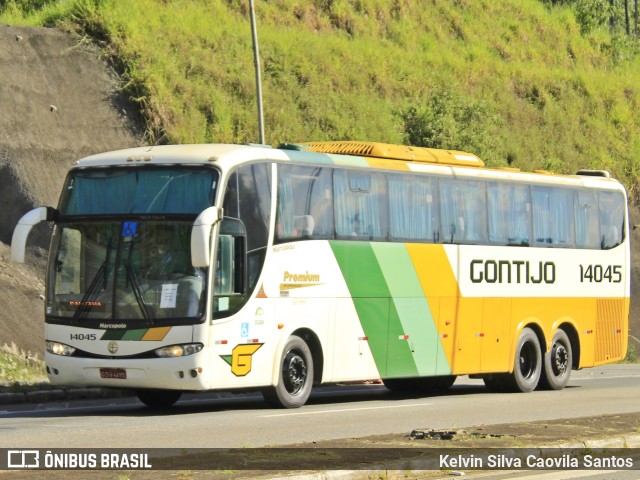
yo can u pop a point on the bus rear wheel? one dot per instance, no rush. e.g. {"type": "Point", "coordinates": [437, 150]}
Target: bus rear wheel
{"type": "Point", "coordinates": [296, 376]}
{"type": "Point", "coordinates": [158, 398]}
{"type": "Point", "coordinates": [557, 363]}
{"type": "Point", "coordinates": [527, 366]}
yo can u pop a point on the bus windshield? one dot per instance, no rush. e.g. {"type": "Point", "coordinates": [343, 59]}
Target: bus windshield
{"type": "Point", "coordinates": [138, 191]}
{"type": "Point", "coordinates": [124, 271]}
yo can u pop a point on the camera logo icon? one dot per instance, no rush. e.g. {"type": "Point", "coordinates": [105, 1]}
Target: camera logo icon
{"type": "Point", "coordinates": [23, 459]}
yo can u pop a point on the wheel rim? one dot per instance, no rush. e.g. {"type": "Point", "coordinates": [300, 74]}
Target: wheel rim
{"type": "Point", "coordinates": [559, 359]}
{"type": "Point", "coordinates": [528, 363]}
{"type": "Point", "coordinates": [294, 372]}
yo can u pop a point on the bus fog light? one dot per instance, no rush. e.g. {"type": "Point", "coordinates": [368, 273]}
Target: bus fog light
{"type": "Point", "coordinates": [173, 351]}
{"type": "Point", "coordinates": [60, 349]}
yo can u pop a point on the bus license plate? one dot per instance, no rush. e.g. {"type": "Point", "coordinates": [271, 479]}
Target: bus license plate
{"type": "Point", "coordinates": [119, 373]}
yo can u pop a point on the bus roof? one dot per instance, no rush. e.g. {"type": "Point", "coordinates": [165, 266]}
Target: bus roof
{"type": "Point", "coordinates": [397, 152]}
{"type": "Point", "coordinates": [344, 153]}
{"type": "Point", "coordinates": [197, 153]}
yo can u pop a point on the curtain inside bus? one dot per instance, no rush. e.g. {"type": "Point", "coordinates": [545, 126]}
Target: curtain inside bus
{"type": "Point", "coordinates": [139, 191]}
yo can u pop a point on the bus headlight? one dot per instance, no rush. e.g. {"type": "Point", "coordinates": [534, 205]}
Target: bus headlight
{"type": "Point", "coordinates": [172, 351]}
{"type": "Point", "coordinates": [60, 349]}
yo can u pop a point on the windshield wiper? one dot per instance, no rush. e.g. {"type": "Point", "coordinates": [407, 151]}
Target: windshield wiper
{"type": "Point", "coordinates": [101, 275]}
{"type": "Point", "coordinates": [91, 291]}
{"type": "Point", "coordinates": [135, 286]}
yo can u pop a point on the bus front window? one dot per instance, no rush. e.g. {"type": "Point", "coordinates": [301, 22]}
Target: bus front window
{"type": "Point", "coordinates": [124, 271]}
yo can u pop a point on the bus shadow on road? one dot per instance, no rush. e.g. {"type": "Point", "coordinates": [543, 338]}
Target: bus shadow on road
{"type": "Point", "coordinates": [220, 402]}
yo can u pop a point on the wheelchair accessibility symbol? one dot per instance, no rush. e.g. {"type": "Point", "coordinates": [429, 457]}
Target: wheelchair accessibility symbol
{"type": "Point", "coordinates": [129, 229]}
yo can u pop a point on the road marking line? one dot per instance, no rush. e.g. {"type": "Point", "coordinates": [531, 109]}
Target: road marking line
{"type": "Point", "coordinates": [608, 377]}
{"type": "Point", "coordinates": [345, 410]}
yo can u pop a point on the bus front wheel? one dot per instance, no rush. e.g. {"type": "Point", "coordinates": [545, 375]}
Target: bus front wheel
{"type": "Point", "coordinates": [527, 366]}
{"type": "Point", "coordinates": [158, 398]}
{"type": "Point", "coordinates": [557, 363]}
{"type": "Point", "coordinates": [296, 376]}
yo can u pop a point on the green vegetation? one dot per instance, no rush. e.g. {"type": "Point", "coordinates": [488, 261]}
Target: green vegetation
{"type": "Point", "coordinates": [632, 355]}
{"type": "Point", "coordinates": [19, 368]}
{"type": "Point", "coordinates": [525, 83]}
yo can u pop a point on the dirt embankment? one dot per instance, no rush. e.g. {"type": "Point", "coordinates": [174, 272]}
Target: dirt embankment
{"type": "Point", "coordinates": [59, 102]}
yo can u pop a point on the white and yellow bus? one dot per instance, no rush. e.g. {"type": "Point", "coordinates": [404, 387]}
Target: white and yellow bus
{"type": "Point", "coordinates": [199, 267]}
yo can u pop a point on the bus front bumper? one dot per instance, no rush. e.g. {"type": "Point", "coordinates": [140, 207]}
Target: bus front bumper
{"type": "Point", "coordinates": [179, 373]}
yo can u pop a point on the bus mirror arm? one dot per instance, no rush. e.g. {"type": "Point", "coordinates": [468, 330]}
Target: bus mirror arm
{"type": "Point", "coordinates": [201, 236]}
{"type": "Point", "coordinates": [25, 224]}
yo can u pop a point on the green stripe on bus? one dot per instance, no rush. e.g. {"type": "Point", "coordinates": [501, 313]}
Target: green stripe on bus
{"type": "Point", "coordinates": [112, 334]}
{"type": "Point", "coordinates": [413, 310]}
{"type": "Point", "coordinates": [134, 334]}
{"type": "Point", "coordinates": [369, 293]}
{"type": "Point", "coordinates": [378, 315]}
{"type": "Point", "coordinates": [397, 270]}
{"type": "Point", "coordinates": [119, 334]}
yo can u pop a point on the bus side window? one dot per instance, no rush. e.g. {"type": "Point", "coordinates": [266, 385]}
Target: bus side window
{"type": "Point", "coordinates": [248, 197]}
{"type": "Point", "coordinates": [231, 202]}
{"type": "Point", "coordinates": [475, 211]}
{"type": "Point", "coordinates": [587, 221]}
{"type": "Point", "coordinates": [229, 292]}
{"type": "Point", "coordinates": [553, 210]}
{"type": "Point", "coordinates": [224, 280]}
{"type": "Point", "coordinates": [519, 221]}
{"type": "Point", "coordinates": [413, 208]}
{"type": "Point", "coordinates": [304, 203]}
{"type": "Point", "coordinates": [611, 210]}
{"type": "Point", "coordinates": [509, 213]}
{"type": "Point", "coordinates": [360, 205]}
{"type": "Point", "coordinates": [463, 211]}
{"type": "Point", "coordinates": [450, 214]}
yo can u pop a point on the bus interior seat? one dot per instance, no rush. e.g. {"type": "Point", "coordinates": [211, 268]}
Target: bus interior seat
{"type": "Point", "coordinates": [304, 225]}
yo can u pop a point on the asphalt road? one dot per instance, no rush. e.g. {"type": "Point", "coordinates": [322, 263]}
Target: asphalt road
{"type": "Point", "coordinates": [244, 420]}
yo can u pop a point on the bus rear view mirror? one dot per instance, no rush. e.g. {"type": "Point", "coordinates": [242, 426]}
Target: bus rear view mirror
{"type": "Point", "coordinates": [201, 236]}
{"type": "Point", "coordinates": [25, 224]}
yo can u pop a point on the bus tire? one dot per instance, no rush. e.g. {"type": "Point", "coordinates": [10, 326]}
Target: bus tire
{"type": "Point", "coordinates": [527, 366]}
{"type": "Point", "coordinates": [557, 363]}
{"type": "Point", "coordinates": [295, 378]}
{"type": "Point", "coordinates": [158, 399]}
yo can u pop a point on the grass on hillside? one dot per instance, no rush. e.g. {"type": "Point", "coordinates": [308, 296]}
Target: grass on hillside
{"type": "Point", "coordinates": [19, 369]}
{"type": "Point", "coordinates": [516, 82]}
{"type": "Point", "coordinates": [632, 355]}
